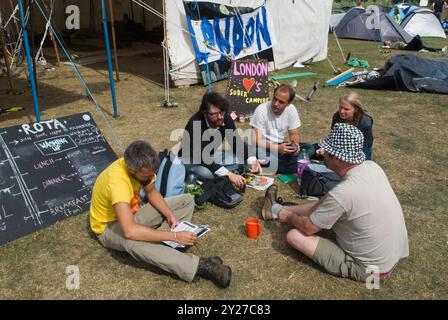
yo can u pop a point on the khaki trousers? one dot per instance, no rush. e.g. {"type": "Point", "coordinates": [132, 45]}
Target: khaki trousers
{"type": "Point", "coordinates": [156, 254]}
{"type": "Point", "coordinates": [330, 256]}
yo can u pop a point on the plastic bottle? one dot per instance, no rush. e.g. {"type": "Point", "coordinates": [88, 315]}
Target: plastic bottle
{"type": "Point", "coordinates": [302, 162]}
{"type": "Point", "coordinates": [294, 84]}
{"type": "Point", "coordinates": [191, 180]}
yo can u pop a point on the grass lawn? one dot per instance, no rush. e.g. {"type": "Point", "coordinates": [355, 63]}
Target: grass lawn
{"type": "Point", "coordinates": [410, 145]}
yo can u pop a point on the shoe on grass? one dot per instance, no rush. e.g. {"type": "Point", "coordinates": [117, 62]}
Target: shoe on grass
{"type": "Point", "coordinates": [214, 270]}
{"type": "Point", "coordinates": [270, 197]}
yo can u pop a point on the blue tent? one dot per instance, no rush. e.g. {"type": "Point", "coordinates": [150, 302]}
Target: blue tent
{"type": "Point", "coordinates": [445, 24]}
{"type": "Point", "coordinates": [355, 25]}
{"type": "Point", "coordinates": [402, 10]}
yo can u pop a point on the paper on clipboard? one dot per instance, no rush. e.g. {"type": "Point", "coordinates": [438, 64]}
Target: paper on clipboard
{"type": "Point", "coordinates": [187, 226]}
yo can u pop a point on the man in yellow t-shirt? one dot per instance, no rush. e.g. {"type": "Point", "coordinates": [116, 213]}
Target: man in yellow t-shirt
{"type": "Point", "coordinates": [120, 224]}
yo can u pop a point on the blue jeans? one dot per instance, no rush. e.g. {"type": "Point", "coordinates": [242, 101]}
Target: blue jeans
{"type": "Point", "coordinates": [224, 157]}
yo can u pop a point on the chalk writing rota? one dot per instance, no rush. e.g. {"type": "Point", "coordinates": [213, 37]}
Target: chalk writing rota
{"type": "Point", "coordinates": [47, 171]}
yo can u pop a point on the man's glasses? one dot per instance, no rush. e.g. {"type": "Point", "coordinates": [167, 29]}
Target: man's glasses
{"type": "Point", "coordinates": [216, 114]}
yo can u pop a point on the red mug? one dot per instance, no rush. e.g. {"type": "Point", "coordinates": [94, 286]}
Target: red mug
{"type": "Point", "coordinates": [253, 228]}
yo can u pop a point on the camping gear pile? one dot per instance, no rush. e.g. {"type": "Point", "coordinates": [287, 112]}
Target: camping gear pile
{"type": "Point", "coordinates": [402, 72]}
{"type": "Point", "coordinates": [405, 72]}
{"type": "Point", "coordinates": [408, 72]}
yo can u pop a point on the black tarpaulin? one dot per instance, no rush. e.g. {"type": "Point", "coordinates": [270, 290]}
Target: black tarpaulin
{"type": "Point", "coordinates": [411, 73]}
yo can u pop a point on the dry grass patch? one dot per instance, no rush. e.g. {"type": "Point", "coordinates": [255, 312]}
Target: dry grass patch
{"type": "Point", "coordinates": [410, 144]}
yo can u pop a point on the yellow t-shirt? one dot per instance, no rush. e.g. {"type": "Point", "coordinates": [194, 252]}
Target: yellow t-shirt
{"type": "Point", "coordinates": [113, 185]}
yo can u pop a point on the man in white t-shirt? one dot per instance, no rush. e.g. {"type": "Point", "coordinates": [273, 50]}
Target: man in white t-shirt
{"type": "Point", "coordinates": [444, 16]}
{"type": "Point", "coordinates": [362, 210]}
{"type": "Point", "coordinates": [270, 122]}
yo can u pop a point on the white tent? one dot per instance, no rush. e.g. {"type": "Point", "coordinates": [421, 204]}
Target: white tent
{"type": "Point", "coordinates": [90, 13]}
{"type": "Point", "coordinates": [300, 28]}
{"type": "Point", "coordinates": [423, 22]}
{"type": "Point", "coordinates": [335, 19]}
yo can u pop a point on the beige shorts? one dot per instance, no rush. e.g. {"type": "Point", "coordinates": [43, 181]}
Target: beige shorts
{"type": "Point", "coordinates": [337, 262]}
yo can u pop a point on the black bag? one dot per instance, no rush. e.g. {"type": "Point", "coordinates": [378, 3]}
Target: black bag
{"type": "Point", "coordinates": [317, 183]}
{"type": "Point", "coordinates": [220, 192]}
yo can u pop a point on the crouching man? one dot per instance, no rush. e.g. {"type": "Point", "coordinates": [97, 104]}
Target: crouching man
{"type": "Point", "coordinates": [120, 224]}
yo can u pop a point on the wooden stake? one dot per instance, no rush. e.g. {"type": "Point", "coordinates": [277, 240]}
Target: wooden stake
{"type": "Point", "coordinates": [56, 49]}
{"type": "Point", "coordinates": [114, 42]}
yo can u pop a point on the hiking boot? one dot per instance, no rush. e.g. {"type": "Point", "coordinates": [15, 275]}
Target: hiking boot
{"type": "Point", "coordinates": [214, 270]}
{"type": "Point", "coordinates": [214, 259]}
{"type": "Point", "coordinates": [270, 197]}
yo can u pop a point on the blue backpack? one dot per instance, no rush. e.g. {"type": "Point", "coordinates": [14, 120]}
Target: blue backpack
{"type": "Point", "coordinates": [170, 176]}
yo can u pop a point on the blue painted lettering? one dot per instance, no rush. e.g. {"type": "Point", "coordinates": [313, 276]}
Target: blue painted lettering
{"type": "Point", "coordinates": [222, 42]}
{"type": "Point", "coordinates": [250, 32]}
{"type": "Point", "coordinates": [207, 32]}
{"type": "Point", "coordinates": [238, 35]}
{"type": "Point", "coordinates": [230, 35]}
{"type": "Point", "coordinates": [263, 29]}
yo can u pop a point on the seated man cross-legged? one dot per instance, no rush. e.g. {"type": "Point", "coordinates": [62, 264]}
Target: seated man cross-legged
{"type": "Point", "coordinates": [120, 224]}
{"type": "Point", "coordinates": [203, 136]}
{"type": "Point", "coordinates": [270, 122]}
{"type": "Point", "coordinates": [362, 210]}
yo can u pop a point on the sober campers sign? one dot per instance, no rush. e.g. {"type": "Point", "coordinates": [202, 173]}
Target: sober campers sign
{"type": "Point", "coordinates": [248, 85]}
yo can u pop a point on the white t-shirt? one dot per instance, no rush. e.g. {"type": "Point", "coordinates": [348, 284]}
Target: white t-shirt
{"type": "Point", "coordinates": [274, 127]}
{"type": "Point", "coordinates": [366, 216]}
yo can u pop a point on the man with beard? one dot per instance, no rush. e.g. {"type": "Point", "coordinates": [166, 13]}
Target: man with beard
{"type": "Point", "coordinates": [120, 224]}
{"type": "Point", "coordinates": [204, 134]}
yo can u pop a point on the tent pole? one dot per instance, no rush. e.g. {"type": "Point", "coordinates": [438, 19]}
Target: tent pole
{"type": "Point", "coordinates": [28, 59]}
{"type": "Point", "coordinates": [15, 22]}
{"type": "Point", "coordinates": [92, 15]}
{"type": "Point", "coordinates": [5, 54]}
{"type": "Point", "coordinates": [33, 49]}
{"type": "Point", "coordinates": [56, 49]}
{"type": "Point", "coordinates": [114, 41]}
{"type": "Point", "coordinates": [166, 57]}
{"type": "Point", "coordinates": [109, 58]}
{"type": "Point", "coordinates": [144, 17]}
{"type": "Point", "coordinates": [132, 10]}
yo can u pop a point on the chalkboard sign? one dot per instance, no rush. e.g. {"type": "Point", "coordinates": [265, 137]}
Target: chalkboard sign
{"type": "Point", "coordinates": [47, 172]}
{"type": "Point", "coordinates": [248, 85]}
